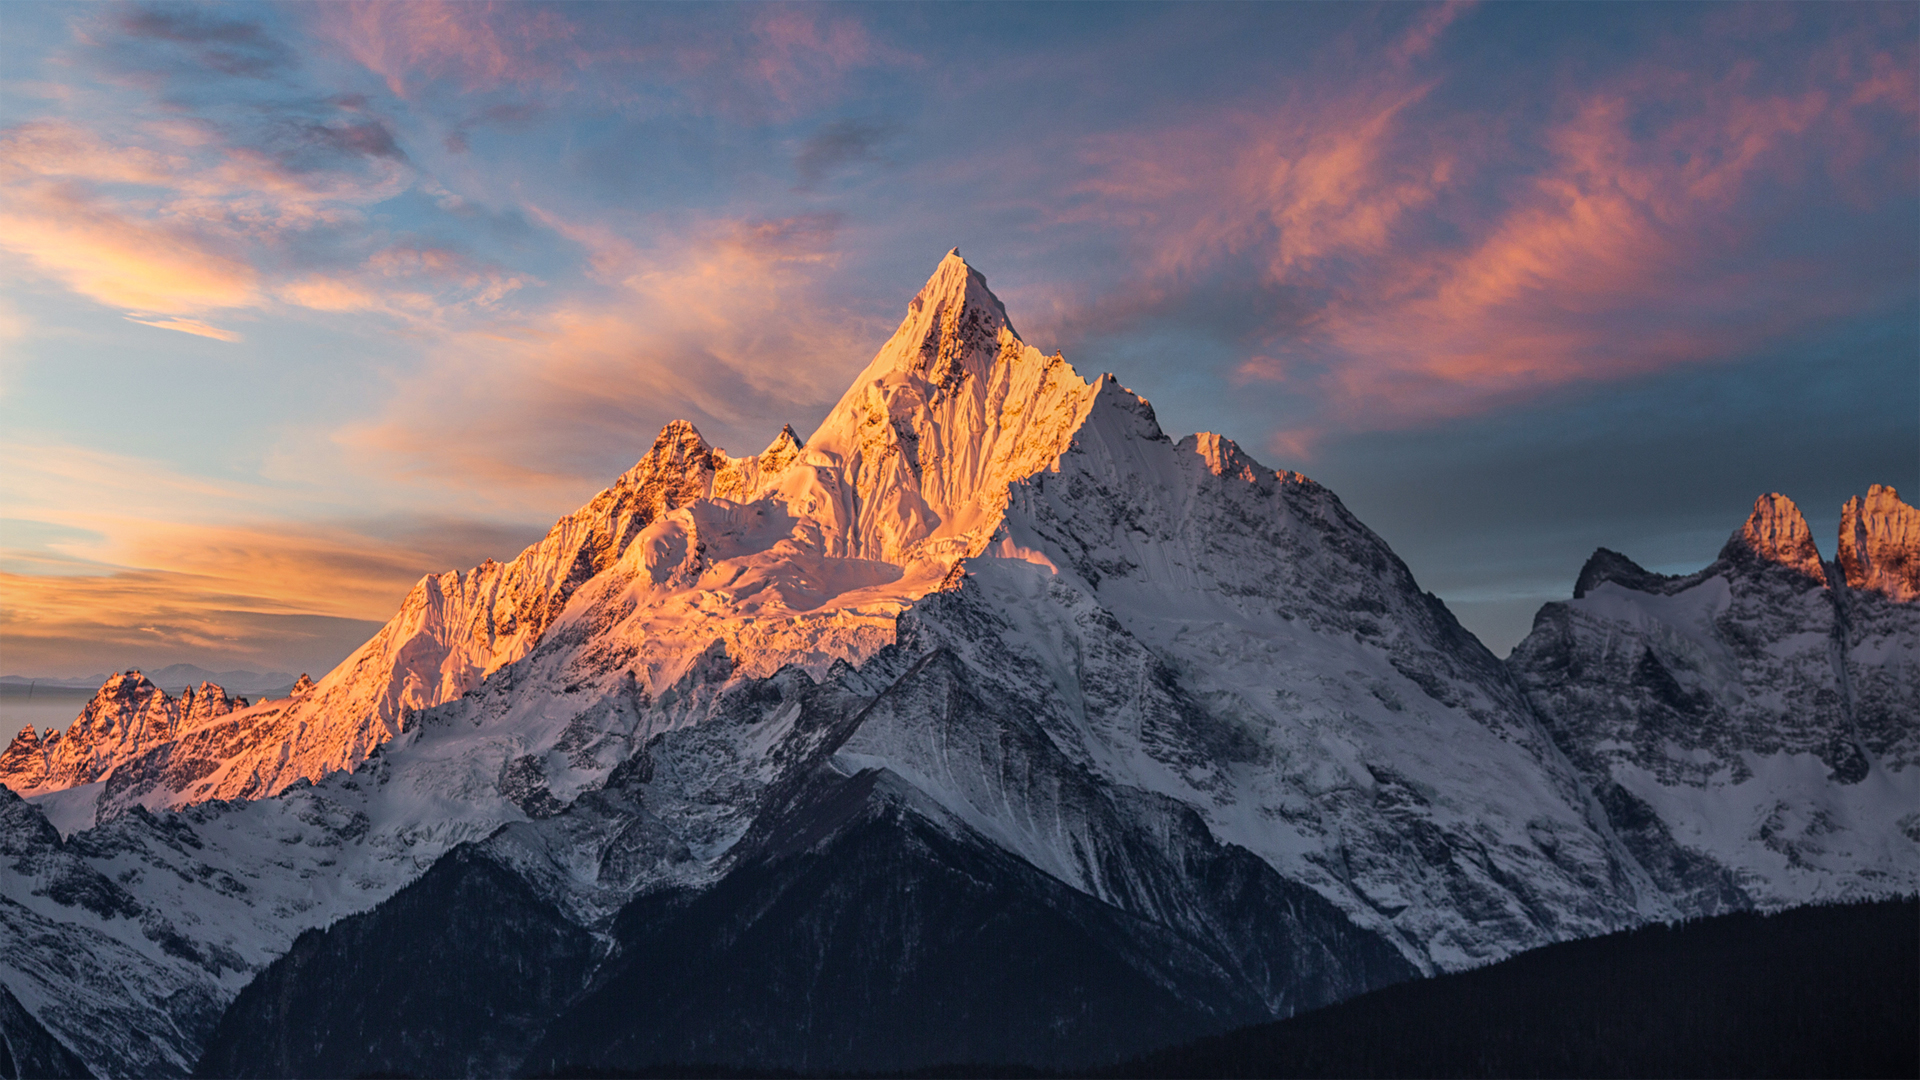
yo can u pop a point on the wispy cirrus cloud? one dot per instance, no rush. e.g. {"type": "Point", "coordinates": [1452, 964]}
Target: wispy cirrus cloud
{"type": "Point", "coordinates": [765, 60]}
{"type": "Point", "coordinates": [410, 281]}
{"type": "Point", "coordinates": [1416, 269]}
{"type": "Point", "coordinates": [167, 217]}
{"type": "Point", "coordinates": [185, 326]}
{"type": "Point", "coordinates": [727, 324]}
{"type": "Point", "coordinates": [219, 184]}
{"type": "Point", "coordinates": [121, 559]}
{"type": "Point", "coordinates": [475, 46]}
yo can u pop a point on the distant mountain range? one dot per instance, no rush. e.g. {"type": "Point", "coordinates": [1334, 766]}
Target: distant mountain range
{"type": "Point", "coordinates": [990, 724]}
{"type": "Point", "coordinates": [173, 675]}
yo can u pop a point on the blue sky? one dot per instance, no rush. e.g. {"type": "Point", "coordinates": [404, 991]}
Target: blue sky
{"type": "Point", "coordinates": [304, 301]}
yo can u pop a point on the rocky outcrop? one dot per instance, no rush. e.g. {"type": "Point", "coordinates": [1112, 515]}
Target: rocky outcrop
{"type": "Point", "coordinates": [1750, 729]}
{"type": "Point", "coordinates": [1880, 545]}
{"type": "Point", "coordinates": [28, 1049]}
{"type": "Point", "coordinates": [1880, 562]}
{"type": "Point", "coordinates": [127, 716]}
{"type": "Point", "coordinates": [1775, 535]}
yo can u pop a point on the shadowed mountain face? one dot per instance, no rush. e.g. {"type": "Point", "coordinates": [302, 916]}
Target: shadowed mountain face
{"type": "Point", "coordinates": [1751, 730]}
{"type": "Point", "coordinates": [450, 977]}
{"type": "Point", "coordinates": [29, 1051]}
{"type": "Point", "coordinates": [859, 927]}
{"type": "Point", "coordinates": [989, 723]}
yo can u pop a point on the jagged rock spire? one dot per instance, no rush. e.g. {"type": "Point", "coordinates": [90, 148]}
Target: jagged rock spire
{"type": "Point", "coordinates": [1880, 544]}
{"type": "Point", "coordinates": [1776, 532]}
{"type": "Point", "coordinates": [126, 716]}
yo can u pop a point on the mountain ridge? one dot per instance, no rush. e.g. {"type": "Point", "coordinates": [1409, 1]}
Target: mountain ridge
{"type": "Point", "coordinates": [1153, 674]}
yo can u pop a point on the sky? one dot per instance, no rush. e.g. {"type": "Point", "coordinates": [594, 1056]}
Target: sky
{"type": "Point", "coordinates": [299, 303]}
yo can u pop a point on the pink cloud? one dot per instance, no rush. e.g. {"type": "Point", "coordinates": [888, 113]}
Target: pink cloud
{"type": "Point", "coordinates": [478, 46]}
{"type": "Point", "coordinates": [1422, 299]}
{"type": "Point", "coordinates": [763, 60]}
{"type": "Point", "coordinates": [798, 53]}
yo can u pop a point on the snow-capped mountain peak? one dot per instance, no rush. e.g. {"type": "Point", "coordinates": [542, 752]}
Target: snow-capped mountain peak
{"type": "Point", "coordinates": [803, 553]}
{"type": "Point", "coordinates": [953, 324]}
{"type": "Point", "coordinates": [1225, 458]}
{"type": "Point", "coordinates": [952, 409]}
{"type": "Point", "coordinates": [991, 626]}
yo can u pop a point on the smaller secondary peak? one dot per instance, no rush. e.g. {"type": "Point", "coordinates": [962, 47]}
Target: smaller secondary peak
{"type": "Point", "coordinates": [787, 439]}
{"type": "Point", "coordinates": [781, 452]}
{"type": "Point", "coordinates": [1776, 532]}
{"type": "Point", "coordinates": [1225, 458]}
{"type": "Point", "coordinates": [129, 681]}
{"type": "Point", "coordinates": [1606, 565]}
{"type": "Point", "coordinates": [679, 432]}
{"type": "Point", "coordinates": [677, 444]}
{"type": "Point", "coordinates": [303, 687]}
{"type": "Point", "coordinates": [1880, 544]}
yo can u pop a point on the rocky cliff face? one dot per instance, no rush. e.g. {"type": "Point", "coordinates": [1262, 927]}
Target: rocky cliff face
{"type": "Point", "coordinates": [1750, 728]}
{"type": "Point", "coordinates": [127, 715]}
{"type": "Point", "coordinates": [1880, 545]}
{"type": "Point", "coordinates": [451, 631]}
{"type": "Point", "coordinates": [1173, 726]}
{"type": "Point", "coordinates": [1880, 562]}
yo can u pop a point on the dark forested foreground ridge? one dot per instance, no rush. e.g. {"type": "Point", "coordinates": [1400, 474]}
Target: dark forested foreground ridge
{"type": "Point", "coordinates": [1822, 991]}
{"type": "Point", "coordinates": [860, 937]}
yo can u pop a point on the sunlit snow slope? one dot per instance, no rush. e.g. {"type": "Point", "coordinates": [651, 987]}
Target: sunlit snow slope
{"type": "Point", "coordinates": [988, 625]}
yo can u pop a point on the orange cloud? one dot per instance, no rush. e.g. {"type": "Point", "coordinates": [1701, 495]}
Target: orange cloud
{"type": "Point", "coordinates": [122, 560]}
{"type": "Point", "coordinates": [409, 282]}
{"type": "Point", "coordinates": [185, 326]}
{"type": "Point", "coordinates": [118, 259]}
{"type": "Point", "coordinates": [202, 227]}
{"type": "Point", "coordinates": [80, 625]}
{"type": "Point", "coordinates": [724, 324]}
